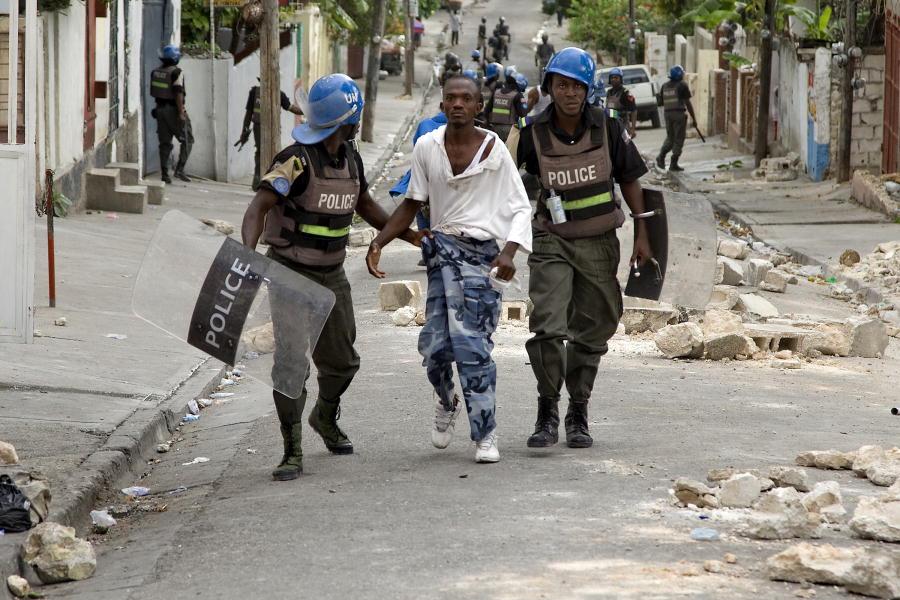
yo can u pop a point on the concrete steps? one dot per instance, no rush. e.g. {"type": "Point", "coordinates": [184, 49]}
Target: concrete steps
{"type": "Point", "coordinates": [119, 187]}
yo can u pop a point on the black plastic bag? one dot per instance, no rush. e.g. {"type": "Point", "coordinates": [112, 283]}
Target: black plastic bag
{"type": "Point", "coordinates": [14, 515]}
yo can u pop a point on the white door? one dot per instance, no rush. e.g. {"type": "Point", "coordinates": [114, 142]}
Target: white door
{"type": "Point", "coordinates": [18, 45]}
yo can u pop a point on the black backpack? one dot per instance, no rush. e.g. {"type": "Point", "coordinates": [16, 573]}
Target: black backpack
{"type": "Point", "coordinates": [14, 513]}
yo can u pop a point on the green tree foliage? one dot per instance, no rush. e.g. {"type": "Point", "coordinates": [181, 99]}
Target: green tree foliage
{"type": "Point", "coordinates": [602, 25]}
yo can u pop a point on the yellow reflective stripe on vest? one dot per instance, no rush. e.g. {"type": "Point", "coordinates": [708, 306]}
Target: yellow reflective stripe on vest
{"type": "Point", "coordinates": [587, 202]}
{"type": "Point", "coordinates": [323, 231]}
{"type": "Point", "coordinates": [162, 84]}
{"type": "Point", "coordinates": [500, 111]}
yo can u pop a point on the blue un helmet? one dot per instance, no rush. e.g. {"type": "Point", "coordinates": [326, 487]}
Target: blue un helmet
{"type": "Point", "coordinates": [615, 72]}
{"type": "Point", "coordinates": [171, 53]}
{"type": "Point", "coordinates": [471, 74]}
{"type": "Point", "coordinates": [573, 63]}
{"type": "Point", "coordinates": [595, 97]}
{"type": "Point", "coordinates": [492, 71]}
{"type": "Point", "coordinates": [521, 82]}
{"type": "Point", "coordinates": [333, 100]}
{"type": "Point", "coordinates": [476, 55]}
{"type": "Point", "coordinates": [676, 73]}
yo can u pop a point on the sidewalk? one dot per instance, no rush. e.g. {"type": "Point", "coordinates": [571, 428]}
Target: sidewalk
{"type": "Point", "coordinates": [813, 221]}
{"type": "Point", "coordinates": [81, 407]}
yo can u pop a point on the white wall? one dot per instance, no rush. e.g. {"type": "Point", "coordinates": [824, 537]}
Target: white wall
{"type": "Point", "coordinates": [64, 89]}
{"type": "Point", "coordinates": [232, 85]}
{"type": "Point", "coordinates": [793, 109]}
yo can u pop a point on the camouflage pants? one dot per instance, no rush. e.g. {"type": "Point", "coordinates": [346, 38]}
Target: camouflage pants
{"type": "Point", "coordinates": [461, 315]}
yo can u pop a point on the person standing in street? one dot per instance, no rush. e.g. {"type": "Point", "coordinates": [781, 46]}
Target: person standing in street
{"type": "Point", "coordinates": [501, 33]}
{"type": "Point", "coordinates": [490, 82]}
{"type": "Point", "coordinates": [482, 36]}
{"type": "Point", "coordinates": [168, 90]}
{"type": "Point", "coordinates": [562, 6]}
{"type": "Point", "coordinates": [418, 31]}
{"type": "Point", "coordinates": [506, 106]}
{"type": "Point", "coordinates": [578, 153]}
{"type": "Point", "coordinates": [251, 117]}
{"type": "Point", "coordinates": [455, 27]}
{"type": "Point", "coordinates": [675, 98]}
{"type": "Point", "coordinates": [476, 199]}
{"type": "Point", "coordinates": [543, 54]}
{"type": "Point", "coordinates": [307, 232]}
{"type": "Point", "coordinates": [619, 99]}
{"type": "Point", "coordinates": [477, 63]}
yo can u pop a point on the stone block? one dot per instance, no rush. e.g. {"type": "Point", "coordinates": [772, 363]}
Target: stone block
{"type": "Point", "coordinates": [719, 275]}
{"type": "Point", "coordinates": [681, 340]}
{"type": "Point", "coordinates": [877, 519]}
{"type": "Point", "coordinates": [739, 491]}
{"type": "Point", "coordinates": [825, 499]}
{"type": "Point", "coordinates": [728, 345]}
{"type": "Point", "coordinates": [862, 570]}
{"type": "Point", "coordinates": [723, 297]}
{"type": "Point", "coordinates": [776, 337]}
{"type": "Point", "coordinates": [732, 270]}
{"type": "Point", "coordinates": [718, 322]}
{"type": "Point", "coordinates": [638, 319]}
{"type": "Point", "coordinates": [396, 294]}
{"type": "Point", "coordinates": [868, 337]}
{"type": "Point", "coordinates": [756, 305]}
{"type": "Point", "coordinates": [827, 338]}
{"type": "Point", "coordinates": [757, 268]}
{"type": "Point", "coordinates": [362, 236]}
{"type": "Point", "coordinates": [737, 249]}
{"type": "Point", "coordinates": [775, 281]}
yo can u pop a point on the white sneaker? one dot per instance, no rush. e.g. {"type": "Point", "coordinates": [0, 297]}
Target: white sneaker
{"type": "Point", "coordinates": [444, 422]}
{"type": "Point", "coordinates": [486, 450]}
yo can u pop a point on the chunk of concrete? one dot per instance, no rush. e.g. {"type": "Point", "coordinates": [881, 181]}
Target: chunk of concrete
{"type": "Point", "coordinates": [514, 310]}
{"type": "Point", "coordinates": [790, 477]}
{"type": "Point", "coordinates": [223, 227]}
{"type": "Point", "coordinates": [681, 340]}
{"type": "Point", "coordinates": [8, 455]}
{"type": "Point", "coordinates": [780, 514]}
{"type": "Point", "coordinates": [693, 492]}
{"type": "Point", "coordinates": [867, 456]}
{"type": "Point", "coordinates": [825, 459]}
{"type": "Point", "coordinates": [396, 294]}
{"type": "Point", "coordinates": [757, 269]}
{"type": "Point", "coordinates": [739, 491]}
{"type": "Point", "coordinates": [733, 248]}
{"type": "Point", "coordinates": [862, 570]}
{"type": "Point", "coordinates": [638, 319]}
{"type": "Point", "coordinates": [723, 297]}
{"type": "Point", "coordinates": [868, 337]}
{"type": "Point", "coordinates": [877, 518]}
{"type": "Point", "coordinates": [57, 555]}
{"type": "Point", "coordinates": [718, 322]}
{"type": "Point", "coordinates": [18, 586]}
{"type": "Point", "coordinates": [732, 270]}
{"type": "Point", "coordinates": [775, 281]}
{"type": "Point", "coordinates": [884, 473]}
{"type": "Point", "coordinates": [827, 338]}
{"type": "Point", "coordinates": [260, 339]}
{"type": "Point", "coordinates": [719, 275]}
{"type": "Point", "coordinates": [404, 316]}
{"type": "Point", "coordinates": [362, 236]}
{"type": "Point", "coordinates": [756, 305]}
{"type": "Point", "coordinates": [728, 345]}
{"type": "Point", "coordinates": [825, 499]}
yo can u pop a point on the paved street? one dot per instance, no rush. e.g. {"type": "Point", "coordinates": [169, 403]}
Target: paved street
{"type": "Point", "coordinates": [399, 519]}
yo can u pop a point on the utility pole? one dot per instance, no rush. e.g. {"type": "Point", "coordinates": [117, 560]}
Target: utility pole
{"type": "Point", "coordinates": [269, 85]}
{"type": "Point", "coordinates": [632, 41]}
{"type": "Point", "coordinates": [845, 133]}
{"type": "Point", "coordinates": [410, 50]}
{"type": "Point", "coordinates": [374, 65]}
{"type": "Point", "coordinates": [761, 146]}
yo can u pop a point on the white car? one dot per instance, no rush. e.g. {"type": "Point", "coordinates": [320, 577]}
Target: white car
{"type": "Point", "coordinates": [637, 79]}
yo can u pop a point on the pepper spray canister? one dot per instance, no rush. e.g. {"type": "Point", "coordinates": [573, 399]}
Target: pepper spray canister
{"type": "Point", "coordinates": [555, 206]}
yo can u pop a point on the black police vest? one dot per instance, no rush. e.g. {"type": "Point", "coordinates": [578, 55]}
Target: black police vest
{"type": "Point", "coordinates": [162, 82]}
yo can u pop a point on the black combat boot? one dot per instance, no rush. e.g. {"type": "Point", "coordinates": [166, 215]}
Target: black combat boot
{"type": "Point", "coordinates": [291, 465]}
{"type": "Point", "coordinates": [674, 166]}
{"type": "Point", "coordinates": [323, 419]}
{"type": "Point", "coordinates": [546, 428]}
{"type": "Point", "coordinates": [165, 176]}
{"type": "Point", "coordinates": [577, 434]}
{"type": "Point", "coordinates": [661, 162]}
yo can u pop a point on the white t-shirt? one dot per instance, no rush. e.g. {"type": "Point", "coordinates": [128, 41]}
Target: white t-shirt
{"type": "Point", "coordinates": [487, 201]}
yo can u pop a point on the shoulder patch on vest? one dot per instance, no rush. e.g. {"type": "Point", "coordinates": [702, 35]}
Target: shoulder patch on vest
{"type": "Point", "coordinates": [282, 175]}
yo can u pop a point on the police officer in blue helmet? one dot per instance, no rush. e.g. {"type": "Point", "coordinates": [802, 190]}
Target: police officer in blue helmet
{"type": "Point", "coordinates": [506, 105]}
{"type": "Point", "coordinates": [168, 91]}
{"type": "Point", "coordinates": [303, 211]}
{"type": "Point", "coordinates": [675, 98]}
{"type": "Point", "coordinates": [578, 153]}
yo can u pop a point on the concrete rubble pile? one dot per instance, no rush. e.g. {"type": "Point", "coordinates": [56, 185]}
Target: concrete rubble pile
{"type": "Point", "coordinates": [743, 325]}
{"type": "Point", "coordinates": [781, 503]}
{"type": "Point", "coordinates": [405, 301]}
{"type": "Point", "coordinates": [779, 168]}
{"type": "Point", "coordinates": [881, 270]}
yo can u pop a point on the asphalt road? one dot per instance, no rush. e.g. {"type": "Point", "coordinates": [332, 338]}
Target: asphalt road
{"type": "Point", "coordinates": [402, 520]}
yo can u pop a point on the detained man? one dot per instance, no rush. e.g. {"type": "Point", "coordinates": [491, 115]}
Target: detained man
{"type": "Point", "coordinates": [477, 200]}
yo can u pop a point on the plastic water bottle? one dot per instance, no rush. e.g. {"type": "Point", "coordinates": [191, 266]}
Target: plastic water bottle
{"type": "Point", "coordinates": [555, 206]}
{"type": "Point", "coordinates": [501, 285]}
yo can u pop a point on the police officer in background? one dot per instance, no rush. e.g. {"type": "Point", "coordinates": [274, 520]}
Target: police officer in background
{"type": "Point", "coordinates": [452, 66]}
{"type": "Point", "coordinates": [675, 98]}
{"type": "Point", "coordinates": [577, 151]}
{"type": "Point", "coordinates": [506, 106]}
{"type": "Point", "coordinates": [489, 83]}
{"type": "Point", "coordinates": [482, 35]}
{"type": "Point", "coordinates": [167, 89]}
{"type": "Point", "coordinates": [543, 54]}
{"type": "Point", "coordinates": [501, 33]}
{"type": "Point", "coordinates": [618, 98]}
{"type": "Point", "coordinates": [476, 64]}
{"type": "Point", "coordinates": [251, 116]}
{"type": "Point", "coordinates": [309, 236]}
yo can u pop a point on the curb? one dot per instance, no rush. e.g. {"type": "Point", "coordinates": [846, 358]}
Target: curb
{"type": "Point", "coordinates": [373, 175]}
{"type": "Point", "coordinates": [869, 294]}
{"type": "Point", "coordinates": [123, 450]}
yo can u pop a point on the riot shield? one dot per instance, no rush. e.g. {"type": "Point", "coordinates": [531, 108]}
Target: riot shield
{"type": "Point", "coordinates": [688, 265]}
{"type": "Point", "coordinates": [231, 302]}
